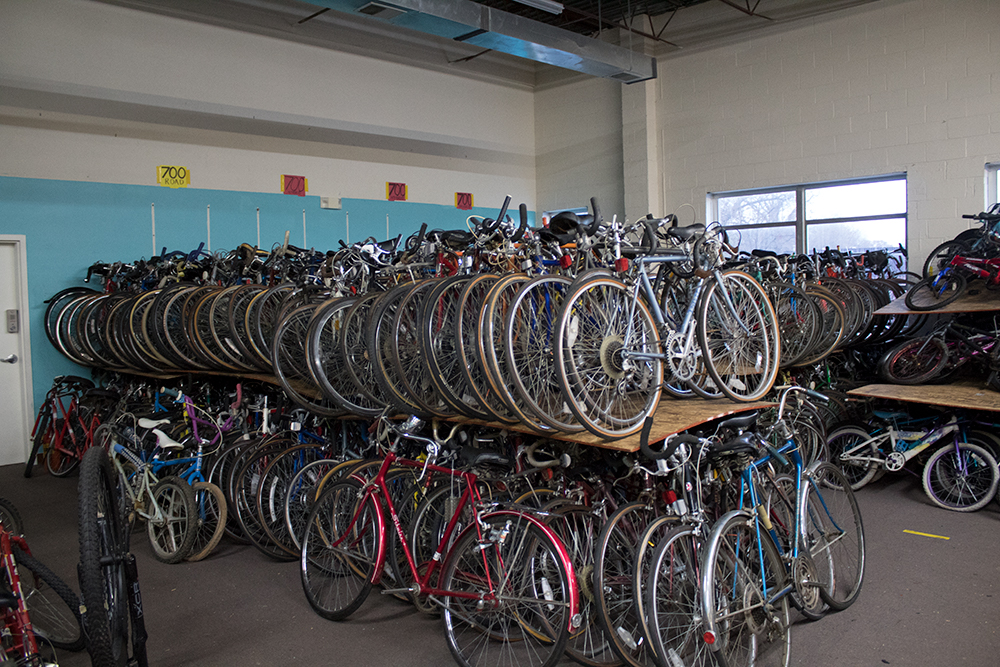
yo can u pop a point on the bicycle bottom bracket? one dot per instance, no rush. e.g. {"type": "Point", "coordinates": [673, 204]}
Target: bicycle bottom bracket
{"type": "Point", "coordinates": [895, 461]}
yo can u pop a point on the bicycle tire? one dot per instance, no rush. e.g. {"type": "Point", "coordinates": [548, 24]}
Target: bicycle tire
{"type": "Point", "coordinates": [40, 436]}
{"type": "Point", "coordinates": [915, 361]}
{"type": "Point", "coordinates": [834, 532]}
{"type": "Point", "coordinates": [291, 365]}
{"type": "Point", "coordinates": [213, 513]}
{"type": "Point", "coordinates": [172, 538]}
{"type": "Point", "coordinates": [940, 257]}
{"type": "Point", "coordinates": [354, 350]}
{"type": "Point", "coordinates": [407, 352]}
{"type": "Point", "coordinates": [961, 477]}
{"type": "Point", "coordinates": [738, 569]}
{"type": "Point", "coordinates": [340, 547]}
{"type": "Point", "coordinates": [530, 624]}
{"type": "Point", "coordinates": [673, 600]}
{"type": "Point", "coordinates": [743, 372]}
{"type": "Point", "coordinates": [52, 604]}
{"type": "Point", "coordinates": [935, 293]}
{"type": "Point", "coordinates": [101, 572]}
{"type": "Point", "coordinates": [614, 562]}
{"type": "Point", "coordinates": [327, 364]}
{"type": "Point", "coordinates": [833, 321]}
{"type": "Point", "coordinates": [528, 334]}
{"type": "Point", "coordinates": [578, 527]}
{"type": "Point", "coordinates": [849, 452]}
{"type": "Point", "coordinates": [609, 397]}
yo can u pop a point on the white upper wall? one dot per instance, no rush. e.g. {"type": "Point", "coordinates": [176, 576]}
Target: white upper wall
{"type": "Point", "coordinates": [896, 86]}
{"type": "Point", "coordinates": [86, 73]}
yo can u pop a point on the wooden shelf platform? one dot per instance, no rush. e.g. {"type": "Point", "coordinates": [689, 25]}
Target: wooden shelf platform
{"type": "Point", "coordinates": [969, 395]}
{"type": "Point", "coordinates": [976, 299]}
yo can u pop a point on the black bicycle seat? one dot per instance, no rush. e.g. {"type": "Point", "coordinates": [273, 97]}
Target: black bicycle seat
{"type": "Point", "coordinates": [741, 444]}
{"type": "Point", "coordinates": [686, 233]}
{"type": "Point", "coordinates": [740, 423]}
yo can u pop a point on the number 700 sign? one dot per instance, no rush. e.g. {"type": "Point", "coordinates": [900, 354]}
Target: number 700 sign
{"type": "Point", "coordinates": [173, 176]}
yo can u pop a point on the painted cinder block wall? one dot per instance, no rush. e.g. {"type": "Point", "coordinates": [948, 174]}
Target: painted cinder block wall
{"type": "Point", "coordinates": [895, 86]}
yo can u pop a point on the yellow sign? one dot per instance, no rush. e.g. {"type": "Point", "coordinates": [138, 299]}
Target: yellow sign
{"type": "Point", "coordinates": [173, 177]}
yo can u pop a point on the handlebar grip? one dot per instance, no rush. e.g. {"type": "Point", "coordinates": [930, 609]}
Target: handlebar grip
{"type": "Point", "coordinates": [597, 217]}
{"type": "Point", "coordinates": [778, 456]}
{"type": "Point", "coordinates": [172, 393]}
{"type": "Point", "coordinates": [971, 217]}
{"type": "Point", "coordinates": [817, 395]}
{"type": "Point", "coordinates": [672, 443]}
{"type": "Point", "coordinates": [523, 211]}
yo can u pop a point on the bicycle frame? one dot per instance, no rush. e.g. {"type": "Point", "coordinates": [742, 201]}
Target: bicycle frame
{"type": "Point", "coordinates": [377, 490]}
{"type": "Point", "coordinates": [17, 618]}
{"type": "Point", "coordinates": [915, 443]}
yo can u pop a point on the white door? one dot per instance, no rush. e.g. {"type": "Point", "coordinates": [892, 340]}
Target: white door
{"type": "Point", "coordinates": [15, 382]}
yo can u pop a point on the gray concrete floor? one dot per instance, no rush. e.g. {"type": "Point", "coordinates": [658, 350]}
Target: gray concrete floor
{"type": "Point", "coordinates": [925, 601]}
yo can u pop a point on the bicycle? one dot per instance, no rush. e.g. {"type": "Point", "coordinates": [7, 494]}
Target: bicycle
{"type": "Point", "coordinates": [38, 610]}
{"type": "Point", "coordinates": [56, 422]}
{"type": "Point", "coordinates": [797, 539]}
{"type": "Point", "coordinates": [937, 355]}
{"type": "Point", "coordinates": [960, 476]}
{"type": "Point", "coordinates": [109, 579]}
{"type": "Point", "coordinates": [609, 353]}
{"type": "Point", "coordinates": [504, 582]}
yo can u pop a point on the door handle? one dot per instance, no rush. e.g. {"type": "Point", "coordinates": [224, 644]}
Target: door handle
{"type": "Point", "coordinates": [12, 359]}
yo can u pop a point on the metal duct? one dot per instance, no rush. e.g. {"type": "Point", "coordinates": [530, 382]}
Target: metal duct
{"type": "Point", "coordinates": [473, 23]}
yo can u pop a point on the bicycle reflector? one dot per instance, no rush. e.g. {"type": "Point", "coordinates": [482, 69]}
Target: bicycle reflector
{"type": "Point", "coordinates": [621, 264]}
{"type": "Point", "coordinates": [709, 637]}
{"type": "Point", "coordinates": [565, 261]}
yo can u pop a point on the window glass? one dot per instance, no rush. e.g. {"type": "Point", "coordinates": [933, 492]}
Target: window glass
{"type": "Point", "coordinates": [755, 209]}
{"type": "Point", "coordinates": [856, 199]}
{"type": "Point", "coordinates": [857, 236]}
{"type": "Point", "coordinates": [778, 239]}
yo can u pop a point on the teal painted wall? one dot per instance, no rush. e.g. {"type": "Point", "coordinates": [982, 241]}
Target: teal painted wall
{"type": "Point", "coordinates": [69, 225]}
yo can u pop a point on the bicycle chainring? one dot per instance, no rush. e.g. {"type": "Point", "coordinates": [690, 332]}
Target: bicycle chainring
{"type": "Point", "coordinates": [806, 584]}
{"type": "Point", "coordinates": [682, 365]}
{"type": "Point", "coordinates": [895, 461]}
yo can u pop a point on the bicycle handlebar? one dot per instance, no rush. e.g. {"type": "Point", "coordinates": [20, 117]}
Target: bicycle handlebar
{"type": "Point", "coordinates": [672, 442]}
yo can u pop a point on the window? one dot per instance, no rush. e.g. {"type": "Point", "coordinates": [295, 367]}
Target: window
{"type": "Point", "coordinates": [853, 215]}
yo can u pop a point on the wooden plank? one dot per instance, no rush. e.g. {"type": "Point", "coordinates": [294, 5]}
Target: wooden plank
{"type": "Point", "coordinates": [672, 416]}
{"type": "Point", "coordinates": [970, 395]}
{"type": "Point", "coordinates": [976, 299]}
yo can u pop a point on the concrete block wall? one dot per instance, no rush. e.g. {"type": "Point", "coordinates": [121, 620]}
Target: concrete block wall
{"type": "Point", "coordinates": [895, 86]}
{"type": "Point", "coordinates": [578, 144]}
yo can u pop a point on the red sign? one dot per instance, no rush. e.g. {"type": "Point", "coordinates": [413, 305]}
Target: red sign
{"type": "Point", "coordinates": [463, 201]}
{"type": "Point", "coordinates": [294, 185]}
{"type": "Point", "coordinates": [395, 191]}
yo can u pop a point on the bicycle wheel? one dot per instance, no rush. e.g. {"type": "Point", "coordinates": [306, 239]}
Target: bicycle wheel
{"type": "Point", "coordinates": [578, 527]}
{"type": "Point", "coordinates": [656, 531]}
{"type": "Point", "coordinates": [742, 572]}
{"type": "Point", "coordinates": [941, 257]}
{"type": "Point", "coordinates": [103, 547]}
{"type": "Point", "coordinates": [341, 544]}
{"type": "Point", "coordinates": [610, 391]}
{"type": "Point", "coordinates": [741, 352]}
{"type": "Point", "coordinates": [857, 458]}
{"type": "Point", "coordinates": [529, 329]}
{"type": "Point", "coordinates": [937, 292]}
{"type": "Point", "coordinates": [673, 600]}
{"type": "Point", "coordinates": [614, 562]}
{"type": "Point", "coordinates": [172, 534]}
{"type": "Point", "coordinates": [210, 502]}
{"type": "Point", "coordinates": [11, 518]}
{"type": "Point", "coordinates": [798, 320]}
{"type": "Point", "coordinates": [518, 568]}
{"type": "Point", "coordinates": [961, 477]}
{"type": "Point", "coordinates": [833, 534]}
{"type": "Point", "coordinates": [54, 607]}
{"type": "Point", "coordinates": [915, 361]}
{"type": "Point", "coordinates": [63, 459]}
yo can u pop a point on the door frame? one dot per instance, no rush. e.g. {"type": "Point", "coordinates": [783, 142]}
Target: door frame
{"type": "Point", "coordinates": [20, 243]}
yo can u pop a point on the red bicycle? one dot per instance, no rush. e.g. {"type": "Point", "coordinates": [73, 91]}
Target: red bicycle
{"type": "Point", "coordinates": [950, 282]}
{"type": "Point", "coordinates": [503, 580]}
{"type": "Point", "coordinates": [27, 584]}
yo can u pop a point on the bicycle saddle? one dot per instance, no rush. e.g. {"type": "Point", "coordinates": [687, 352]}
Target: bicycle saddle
{"type": "Point", "coordinates": [475, 456]}
{"type": "Point", "coordinates": [741, 444]}
{"type": "Point", "coordinates": [740, 423]}
{"type": "Point", "coordinates": [549, 236]}
{"type": "Point", "coordinates": [686, 233]}
{"type": "Point", "coordinates": [145, 422]}
{"type": "Point", "coordinates": [164, 441]}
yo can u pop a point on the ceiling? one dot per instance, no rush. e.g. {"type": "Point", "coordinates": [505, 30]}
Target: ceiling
{"type": "Point", "coordinates": [509, 40]}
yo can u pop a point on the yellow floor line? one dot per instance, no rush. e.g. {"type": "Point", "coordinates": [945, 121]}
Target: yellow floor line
{"type": "Point", "coordinates": [940, 537]}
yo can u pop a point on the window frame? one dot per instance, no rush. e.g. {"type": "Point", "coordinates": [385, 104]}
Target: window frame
{"type": "Point", "coordinates": [801, 223]}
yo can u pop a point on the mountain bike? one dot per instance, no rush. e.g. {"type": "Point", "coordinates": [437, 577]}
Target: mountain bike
{"type": "Point", "coordinates": [109, 580]}
{"type": "Point", "coordinates": [504, 582]}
